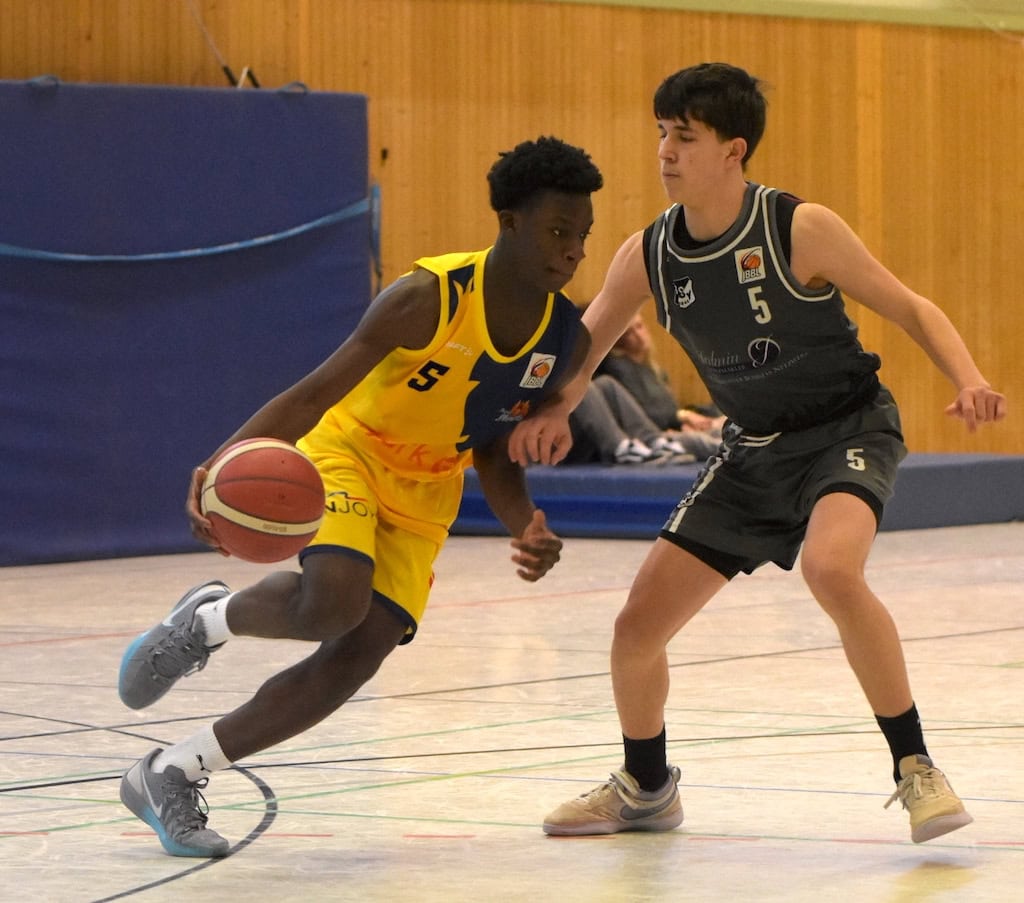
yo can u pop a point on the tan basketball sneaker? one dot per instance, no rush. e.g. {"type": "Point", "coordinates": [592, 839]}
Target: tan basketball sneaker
{"type": "Point", "coordinates": [619, 805]}
{"type": "Point", "coordinates": [925, 793]}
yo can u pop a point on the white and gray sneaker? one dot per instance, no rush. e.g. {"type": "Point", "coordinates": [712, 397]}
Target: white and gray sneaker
{"type": "Point", "coordinates": [173, 807]}
{"type": "Point", "coordinates": [633, 451]}
{"type": "Point", "coordinates": [673, 450]}
{"type": "Point", "coordinates": [619, 805]}
{"type": "Point", "coordinates": [173, 649]}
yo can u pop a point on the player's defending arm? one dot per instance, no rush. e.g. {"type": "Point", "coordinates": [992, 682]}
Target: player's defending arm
{"type": "Point", "coordinates": [825, 249]}
{"type": "Point", "coordinates": [544, 437]}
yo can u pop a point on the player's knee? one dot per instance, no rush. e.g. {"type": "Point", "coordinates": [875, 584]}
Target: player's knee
{"type": "Point", "coordinates": [829, 578]}
{"type": "Point", "coordinates": [366, 662]}
{"type": "Point", "coordinates": [624, 628]}
{"type": "Point", "coordinates": [632, 634]}
{"type": "Point", "coordinates": [334, 597]}
{"type": "Point", "coordinates": [323, 615]}
{"type": "Point", "coordinates": [357, 656]}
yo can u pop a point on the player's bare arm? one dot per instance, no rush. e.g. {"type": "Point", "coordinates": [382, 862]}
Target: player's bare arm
{"type": "Point", "coordinates": [624, 291]}
{"type": "Point", "coordinates": [544, 437]}
{"type": "Point", "coordinates": [579, 357]}
{"type": "Point", "coordinates": [503, 483]}
{"type": "Point", "coordinates": [826, 249]}
{"type": "Point", "coordinates": [405, 315]}
{"type": "Point", "coordinates": [554, 406]}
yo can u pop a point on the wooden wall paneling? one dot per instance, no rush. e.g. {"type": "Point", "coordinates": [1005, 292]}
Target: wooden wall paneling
{"type": "Point", "coordinates": [910, 133]}
{"type": "Point", "coordinates": [940, 178]}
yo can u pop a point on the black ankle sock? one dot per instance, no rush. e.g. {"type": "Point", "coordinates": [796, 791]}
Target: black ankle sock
{"type": "Point", "coordinates": [646, 761]}
{"type": "Point", "coordinates": [904, 736]}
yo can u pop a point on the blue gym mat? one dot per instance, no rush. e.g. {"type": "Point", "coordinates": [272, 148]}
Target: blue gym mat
{"type": "Point", "coordinates": [622, 502]}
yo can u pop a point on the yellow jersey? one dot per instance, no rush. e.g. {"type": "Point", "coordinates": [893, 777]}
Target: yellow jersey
{"type": "Point", "coordinates": [422, 412]}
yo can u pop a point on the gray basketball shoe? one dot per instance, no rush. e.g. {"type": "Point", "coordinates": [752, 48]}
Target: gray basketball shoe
{"type": "Point", "coordinates": [173, 649]}
{"type": "Point", "coordinates": [173, 807]}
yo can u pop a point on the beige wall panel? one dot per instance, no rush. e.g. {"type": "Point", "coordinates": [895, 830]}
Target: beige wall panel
{"type": "Point", "coordinates": [911, 133]}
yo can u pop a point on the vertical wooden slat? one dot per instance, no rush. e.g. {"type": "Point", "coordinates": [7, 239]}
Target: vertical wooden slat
{"type": "Point", "coordinates": [912, 134]}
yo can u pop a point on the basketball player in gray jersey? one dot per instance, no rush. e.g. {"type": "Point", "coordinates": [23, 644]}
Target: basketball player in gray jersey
{"type": "Point", "coordinates": [735, 342]}
{"type": "Point", "coordinates": [748, 280]}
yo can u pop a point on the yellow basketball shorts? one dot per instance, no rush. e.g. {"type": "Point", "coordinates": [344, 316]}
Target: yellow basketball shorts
{"type": "Point", "coordinates": [398, 523]}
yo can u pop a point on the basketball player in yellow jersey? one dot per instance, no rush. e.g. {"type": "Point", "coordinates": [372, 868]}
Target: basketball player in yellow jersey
{"type": "Point", "coordinates": [442, 366]}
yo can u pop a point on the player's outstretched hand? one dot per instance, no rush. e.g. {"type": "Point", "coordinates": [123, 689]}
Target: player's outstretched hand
{"type": "Point", "coordinates": [537, 550]}
{"type": "Point", "coordinates": [543, 438]}
{"type": "Point", "coordinates": [978, 404]}
{"type": "Point", "coordinates": [201, 528]}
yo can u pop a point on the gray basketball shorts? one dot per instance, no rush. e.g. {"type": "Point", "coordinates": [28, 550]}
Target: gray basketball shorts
{"type": "Point", "coordinates": [751, 502]}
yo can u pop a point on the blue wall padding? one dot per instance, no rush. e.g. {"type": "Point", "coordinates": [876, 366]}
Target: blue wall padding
{"type": "Point", "coordinates": [116, 378]}
{"type": "Point", "coordinates": [932, 490]}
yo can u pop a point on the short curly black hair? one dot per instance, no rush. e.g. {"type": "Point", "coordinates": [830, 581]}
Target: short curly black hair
{"type": "Point", "coordinates": [546, 164]}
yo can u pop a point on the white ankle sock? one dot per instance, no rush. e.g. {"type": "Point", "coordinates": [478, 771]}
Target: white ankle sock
{"type": "Point", "coordinates": [198, 756]}
{"type": "Point", "coordinates": [214, 618]}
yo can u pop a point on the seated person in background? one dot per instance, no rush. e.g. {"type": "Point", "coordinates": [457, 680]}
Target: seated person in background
{"type": "Point", "coordinates": [610, 427]}
{"type": "Point", "coordinates": [631, 363]}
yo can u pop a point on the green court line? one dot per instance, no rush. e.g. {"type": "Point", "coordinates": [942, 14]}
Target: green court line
{"type": "Point", "coordinates": [363, 741]}
{"type": "Point", "coordinates": [281, 801]}
{"type": "Point", "coordinates": [846, 727]}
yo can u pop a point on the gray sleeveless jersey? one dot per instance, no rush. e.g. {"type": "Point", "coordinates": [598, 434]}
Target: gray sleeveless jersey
{"type": "Point", "coordinates": [774, 354]}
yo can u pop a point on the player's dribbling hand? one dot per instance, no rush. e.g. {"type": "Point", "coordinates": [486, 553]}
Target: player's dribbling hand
{"type": "Point", "coordinates": [201, 528]}
{"type": "Point", "coordinates": [537, 550]}
{"type": "Point", "coordinates": [978, 404]}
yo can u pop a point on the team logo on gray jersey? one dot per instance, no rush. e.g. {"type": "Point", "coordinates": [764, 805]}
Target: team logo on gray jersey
{"type": "Point", "coordinates": [763, 351]}
{"type": "Point", "coordinates": [683, 291]}
{"type": "Point", "coordinates": [750, 264]}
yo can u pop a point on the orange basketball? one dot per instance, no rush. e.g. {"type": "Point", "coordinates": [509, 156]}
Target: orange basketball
{"type": "Point", "coordinates": [264, 498]}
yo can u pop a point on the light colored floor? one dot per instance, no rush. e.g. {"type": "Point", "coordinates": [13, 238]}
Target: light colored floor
{"type": "Point", "coordinates": [431, 784]}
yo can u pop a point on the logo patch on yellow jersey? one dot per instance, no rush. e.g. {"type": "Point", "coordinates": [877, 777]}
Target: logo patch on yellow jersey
{"type": "Point", "coordinates": [517, 412]}
{"type": "Point", "coordinates": [538, 370]}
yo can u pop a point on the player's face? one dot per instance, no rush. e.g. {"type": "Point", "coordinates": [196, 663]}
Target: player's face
{"type": "Point", "coordinates": [552, 232]}
{"type": "Point", "coordinates": [694, 160]}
